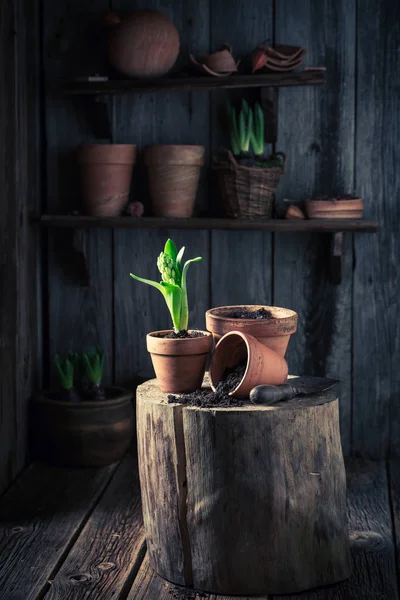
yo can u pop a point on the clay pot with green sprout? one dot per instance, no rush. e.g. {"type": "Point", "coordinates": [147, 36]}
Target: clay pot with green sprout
{"type": "Point", "coordinates": [179, 355]}
{"type": "Point", "coordinates": [83, 423]}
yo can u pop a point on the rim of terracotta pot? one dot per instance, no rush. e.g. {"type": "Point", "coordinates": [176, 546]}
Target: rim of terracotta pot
{"type": "Point", "coordinates": [232, 333]}
{"type": "Point", "coordinates": [179, 346]}
{"type": "Point", "coordinates": [284, 321]}
{"type": "Point", "coordinates": [174, 154]}
{"type": "Point", "coordinates": [107, 154]}
{"type": "Point", "coordinates": [45, 397]}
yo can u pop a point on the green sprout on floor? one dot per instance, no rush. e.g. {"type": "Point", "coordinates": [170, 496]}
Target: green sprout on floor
{"type": "Point", "coordinates": [173, 285]}
{"type": "Point", "coordinates": [92, 367]}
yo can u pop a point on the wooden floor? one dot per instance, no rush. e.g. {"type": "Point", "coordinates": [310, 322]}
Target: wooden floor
{"type": "Point", "coordinates": [78, 534]}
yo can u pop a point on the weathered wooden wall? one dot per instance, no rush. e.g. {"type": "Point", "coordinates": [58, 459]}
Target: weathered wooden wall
{"type": "Point", "coordinates": [19, 184]}
{"type": "Point", "coordinates": [338, 138]}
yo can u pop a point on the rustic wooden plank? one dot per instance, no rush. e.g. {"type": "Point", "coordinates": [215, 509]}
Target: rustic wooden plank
{"type": "Point", "coordinates": [7, 248]}
{"type": "Point", "coordinates": [107, 555]}
{"type": "Point", "coordinates": [248, 279]}
{"type": "Point", "coordinates": [188, 83]}
{"type": "Point", "coordinates": [80, 316]}
{"type": "Point", "coordinates": [148, 119]}
{"type": "Point", "coordinates": [41, 516]}
{"type": "Point", "coordinates": [316, 131]}
{"type": "Point", "coordinates": [371, 538]}
{"type": "Point", "coordinates": [27, 201]}
{"type": "Point", "coordinates": [394, 485]}
{"type": "Point", "coordinates": [149, 586]}
{"type": "Point", "coordinates": [326, 225]}
{"type": "Point", "coordinates": [376, 275]}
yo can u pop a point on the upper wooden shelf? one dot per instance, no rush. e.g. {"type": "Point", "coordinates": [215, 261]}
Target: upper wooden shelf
{"type": "Point", "coordinates": [193, 83]}
{"type": "Point", "coordinates": [324, 225]}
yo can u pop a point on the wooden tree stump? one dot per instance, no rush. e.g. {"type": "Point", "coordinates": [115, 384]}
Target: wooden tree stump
{"type": "Point", "coordinates": [246, 500]}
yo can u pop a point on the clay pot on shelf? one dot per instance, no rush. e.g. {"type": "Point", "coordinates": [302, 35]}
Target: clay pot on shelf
{"type": "Point", "coordinates": [341, 207]}
{"type": "Point", "coordinates": [263, 365]}
{"type": "Point", "coordinates": [106, 177]}
{"type": "Point", "coordinates": [84, 434]}
{"type": "Point", "coordinates": [174, 173]}
{"type": "Point", "coordinates": [144, 44]}
{"type": "Point", "coordinates": [274, 332]}
{"type": "Point", "coordinates": [179, 363]}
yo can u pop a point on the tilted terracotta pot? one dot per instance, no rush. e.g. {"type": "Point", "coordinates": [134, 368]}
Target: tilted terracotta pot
{"type": "Point", "coordinates": [274, 333]}
{"type": "Point", "coordinates": [174, 173]}
{"type": "Point", "coordinates": [106, 177]}
{"type": "Point", "coordinates": [179, 363]}
{"type": "Point", "coordinates": [263, 365]}
{"type": "Point", "coordinates": [145, 44]}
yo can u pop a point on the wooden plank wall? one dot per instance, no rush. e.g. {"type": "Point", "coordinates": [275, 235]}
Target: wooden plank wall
{"type": "Point", "coordinates": [19, 184]}
{"type": "Point", "coordinates": [340, 138]}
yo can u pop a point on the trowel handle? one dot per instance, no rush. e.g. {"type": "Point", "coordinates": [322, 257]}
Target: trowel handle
{"type": "Point", "coordinates": [271, 394]}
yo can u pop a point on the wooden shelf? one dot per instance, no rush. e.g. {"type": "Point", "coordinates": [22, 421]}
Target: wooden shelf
{"type": "Point", "coordinates": [323, 225]}
{"type": "Point", "coordinates": [193, 83]}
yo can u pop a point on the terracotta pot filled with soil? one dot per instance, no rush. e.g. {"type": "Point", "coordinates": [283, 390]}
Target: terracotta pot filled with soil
{"type": "Point", "coordinates": [240, 362]}
{"type": "Point", "coordinates": [106, 177]}
{"type": "Point", "coordinates": [179, 359]}
{"type": "Point", "coordinates": [88, 433]}
{"type": "Point", "coordinates": [174, 173]}
{"type": "Point", "coordinates": [271, 325]}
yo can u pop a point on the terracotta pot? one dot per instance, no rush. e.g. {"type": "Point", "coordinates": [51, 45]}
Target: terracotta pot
{"type": "Point", "coordinates": [106, 177]}
{"type": "Point", "coordinates": [335, 208]}
{"type": "Point", "coordinates": [263, 365]}
{"type": "Point", "coordinates": [179, 363]}
{"type": "Point", "coordinates": [84, 434]}
{"type": "Point", "coordinates": [174, 173]}
{"type": "Point", "coordinates": [274, 333]}
{"type": "Point", "coordinates": [145, 44]}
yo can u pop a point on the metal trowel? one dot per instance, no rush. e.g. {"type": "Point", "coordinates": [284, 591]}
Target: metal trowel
{"type": "Point", "coordinates": [297, 386]}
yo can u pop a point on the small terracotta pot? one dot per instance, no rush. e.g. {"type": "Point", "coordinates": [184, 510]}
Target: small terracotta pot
{"type": "Point", "coordinates": [263, 365]}
{"type": "Point", "coordinates": [174, 173]}
{"type": "Point", "coordinates": [335, 208]}
{"type": "Point", "coordinates": [179, 363]}
{"type": "Point", "coordinates": [106, 177]}
{"type": "Point", "coordinates": [274, 333]}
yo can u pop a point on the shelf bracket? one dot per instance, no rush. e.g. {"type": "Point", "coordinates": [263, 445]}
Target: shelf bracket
{"type": "Point", "coordinates": [269, 104]}
{"type": "Point", "coordinates": [336, 256]}
{"type": "Point", "coordinates": [97, 110]}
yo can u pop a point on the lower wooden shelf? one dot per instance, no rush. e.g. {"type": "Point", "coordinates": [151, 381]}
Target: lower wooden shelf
{"type": "Point", "coordinates": [323, 225]}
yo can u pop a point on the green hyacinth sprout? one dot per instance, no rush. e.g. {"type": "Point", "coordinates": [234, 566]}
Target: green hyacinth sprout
{"type": "Point", "coordinates": [173, 284]}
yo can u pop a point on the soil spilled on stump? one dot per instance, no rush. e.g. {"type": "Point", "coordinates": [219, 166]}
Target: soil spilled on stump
{"type": "Point", "coordinates": [260, 313]}
{"type": "Point", "coordinates": [183, 334]}
{"type": "Point", "coordinates": [206, 398]}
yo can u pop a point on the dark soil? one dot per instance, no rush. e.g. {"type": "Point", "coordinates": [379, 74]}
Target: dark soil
{"type": "Point", "coordinates": [206, 398]}
{"type": "Point", "coordinates": [260, 313]}
{"type": "Point", "coordinates": [183, 334]}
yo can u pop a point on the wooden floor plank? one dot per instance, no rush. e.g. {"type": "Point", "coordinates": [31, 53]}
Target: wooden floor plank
{"type": "Point", "coordinates": [394, 486]}
{"type": "Point", "coordinates": [110, 549]}
{"type": "Point", "coordinates": [40, 517]}
{"type": "Point", "coordinates": [371, 539]}
{"type": "Point", "coordinates": [149, 586]}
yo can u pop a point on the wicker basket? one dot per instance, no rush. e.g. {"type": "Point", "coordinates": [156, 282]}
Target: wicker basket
{"type": "Point", "coordinates": [247, 192]}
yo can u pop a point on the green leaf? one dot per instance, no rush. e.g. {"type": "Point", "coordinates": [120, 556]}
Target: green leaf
{"type": "Point", "coordinates": [171, 249]}
{"type": "Point", "coordinates": [184, 320]}
{"type": "Point", "coordinates": [93, 364]}
{"type": "Point", "coordinates": [155, 284]}
{"type": "Point", "coordinates": [179, 262]}
{"type": "Point", "coordinates": [245, 107]}
{"type": "Point", "coordinates": [65, 372]}
{"type": "Point", "coordinates": [173, 298]}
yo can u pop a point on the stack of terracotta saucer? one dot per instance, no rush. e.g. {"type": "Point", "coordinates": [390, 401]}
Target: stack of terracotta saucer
{"type": "Point", "coordinates": [280, 58]}
{"type": "Point", "coordinates": [339, 207]}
